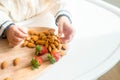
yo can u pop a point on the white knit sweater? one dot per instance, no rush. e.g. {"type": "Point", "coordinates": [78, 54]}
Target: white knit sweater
{"type": "Point", "coordinates": [12, 11]}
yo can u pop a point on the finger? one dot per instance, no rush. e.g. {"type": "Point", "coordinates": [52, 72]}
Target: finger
{"type": "Point", "coordinates": [20, 34]}
{"type": "Point", "coordinates": [64, 40]}
{"type": "Point", "coordinates": [60, 29]}
{"type": "Point", "coordinates": [67, 38]}
{"type": "Point", "coordinates": [23, 30]}
{"type": "Point", "coordinates": [13, 43]}
{"type": "Point", "coordinates": [16, 39]}
{"type": "Point", "coordinates": [69, 35]}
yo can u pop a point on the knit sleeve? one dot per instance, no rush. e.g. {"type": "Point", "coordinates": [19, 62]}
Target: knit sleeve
{"type": "Point", "coordinates": [62, 8]}
{"type": "Point", "coordinates": [5, 23]}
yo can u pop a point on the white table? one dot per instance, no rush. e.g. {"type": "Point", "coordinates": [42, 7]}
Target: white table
{"type": "Point", "coordinates": [95, 48]}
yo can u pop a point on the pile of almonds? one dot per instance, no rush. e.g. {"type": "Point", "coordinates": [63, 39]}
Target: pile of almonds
{"type": "Point", "coordinates": [46, 38]}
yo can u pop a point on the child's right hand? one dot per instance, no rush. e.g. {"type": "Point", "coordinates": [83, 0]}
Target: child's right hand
{"type": "Point", "coordinates": [15, 35]}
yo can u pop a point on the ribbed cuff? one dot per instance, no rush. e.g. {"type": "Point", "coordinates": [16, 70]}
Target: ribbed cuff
{"type": "Point", "coordinates": [63, 13]}
{"type": "Point", "coordinates": [4, 27]}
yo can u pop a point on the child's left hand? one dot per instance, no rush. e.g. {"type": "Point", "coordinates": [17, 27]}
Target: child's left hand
{"type": "Point", "coordinates": [65, 28]}
{"type": "Point", "coordinates": [15, 35]}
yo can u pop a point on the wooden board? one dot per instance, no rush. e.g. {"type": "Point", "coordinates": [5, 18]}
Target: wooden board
{"type": "Point", "coordinates": [113, 74]}
{"type": "Point", "coordinates": [22, 71]}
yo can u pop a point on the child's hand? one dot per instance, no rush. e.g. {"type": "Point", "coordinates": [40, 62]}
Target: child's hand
{"type": "Point", "coordinates": [65, 27]}
{"type": "Point", "coordinates": [15, 35]}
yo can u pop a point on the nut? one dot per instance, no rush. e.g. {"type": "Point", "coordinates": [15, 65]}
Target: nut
{"type": "Point", "coordinates": [55, 50]}
{"type": "Point", "coordinates": [34, 38]}
{"type": "Point", "coordinates": [51, 31]}
{"type": "Point", "coordinates": [51, 40]}
{"type": "Point", "coordinates": [31, 45]}
{"type": "Point", "coordinates": [28, 38]}
{"type": "Point", "coordinates": [64, 47]}
{"type": "Point", "coordinates": [41, 42]}
{"type": "Point", "coordinates": [41, 35]}
{"type": "Point", "coordinates": [44, 37]}
{"type": "Point", "coordinates": [31, 41]}
{"type": "Point", "coordinates": [7, 78]}
{"type": "Point", "coordinates": [59, 47]}
{"type": "Point", "coordinates": [16, 61]}
{"type": "Point", "coordinates": [31, 32]}
{"type": "Point", "coordinates": [4, 65]}
{"type": "Point", "coordinates": [49, 48]}
{"type": "Point", "coordinates": [56, 43]}
{"type": "Point", "coordinates": [25, 43]}
{"type": "Point", "coordinates": [46, 44]}
{"type": "Point", "coordinates": [53, 46]}
{"type": "Point", "coordinates": [36, 33]}
{"type": "Point", "coordinates": [62, 53]}
{"type": "Point", "coordinates": [46, 33]}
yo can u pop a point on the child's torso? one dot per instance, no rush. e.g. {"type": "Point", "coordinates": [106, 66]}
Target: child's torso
{"type": "Point", "coordinates": [20, 10]}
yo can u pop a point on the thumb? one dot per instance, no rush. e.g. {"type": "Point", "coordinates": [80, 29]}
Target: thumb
{"type": "Point", "coordinates": [60, 29]}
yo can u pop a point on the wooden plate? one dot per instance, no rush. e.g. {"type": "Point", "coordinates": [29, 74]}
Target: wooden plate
{"type": "Point", "coordinates": [23, 70]}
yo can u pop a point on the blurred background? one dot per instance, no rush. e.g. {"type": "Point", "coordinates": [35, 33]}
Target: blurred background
{"type": "Point", "coordinates": [114, 2]}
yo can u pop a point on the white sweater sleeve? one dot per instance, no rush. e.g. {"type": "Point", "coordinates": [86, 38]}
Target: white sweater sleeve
{"type": "Point", "coordinates": [62, 8]}
{"type": "Point", "coordinates": [5, 23]}
{"type": "Point", "coordinates": [63, 13]}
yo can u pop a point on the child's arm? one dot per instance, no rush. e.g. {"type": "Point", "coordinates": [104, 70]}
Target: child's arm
{"type": "Point", "coordinates": [9, 30]}
{"type": "Point", "coordinates": [62, 8]}
{"type": "Point", "coordinates": [63, 20]}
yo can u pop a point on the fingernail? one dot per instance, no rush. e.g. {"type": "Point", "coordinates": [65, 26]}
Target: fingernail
{"type": "Point", "coordinates": [59, 34]}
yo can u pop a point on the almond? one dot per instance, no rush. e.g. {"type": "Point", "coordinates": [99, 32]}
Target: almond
{"type": "Point", "coordinates": [31, 45]}
{"type": "Point", "coordinates": [41, 42]}
{"type": "Point", "coordinates": [16, 61]}
{"type": "Point", "coordinates": [25, 43]}
{"type": "Point", "coordinates": [49, 48]}
{"type": "Point", "coordinates": [52, 45]}
{"type": "Point", "coordinates": [64, 47]}
{"type": "Point", "coordinates": [4, 65]}
{"type": "Point", "coordinates": [34, 38]}
{"type": "Point", "coordinates": [31, 32]}
{"type": "Point", "coordinates": [7, 78]}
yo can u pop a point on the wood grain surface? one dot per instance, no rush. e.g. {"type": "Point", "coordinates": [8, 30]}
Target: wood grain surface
{"type": "Point", "coordinates": [113, 74]}
{"type": "Point", "coordinates": [23, 70]}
